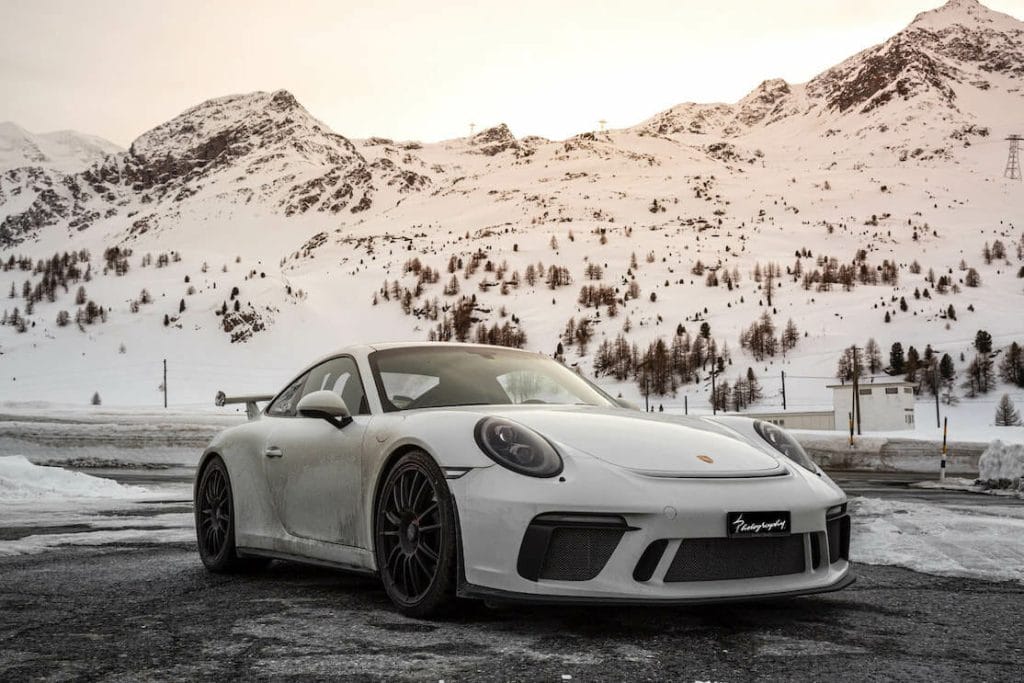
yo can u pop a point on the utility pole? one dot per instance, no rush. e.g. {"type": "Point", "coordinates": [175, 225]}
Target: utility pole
{"type": "Point", "coordinates": [856, 388]}
{"type": "Point", "coordinates": [1013, 161]}
{"type": "Point", "coordinates": [935, 386]}
{"type": "Point", "coordinates": [714, 392]}
{"type": "Point", "coordinates": [783, 389]}
{"type": "Point", "coordinates": [165, 382]}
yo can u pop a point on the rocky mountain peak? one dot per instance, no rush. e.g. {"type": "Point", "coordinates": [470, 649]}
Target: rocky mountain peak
{"type": "Point", "coordinates": [963, 12]}
{"type": "Point", "coordinates": [495, 140]}
{"type": "Point", "coordinates": [961, 42]}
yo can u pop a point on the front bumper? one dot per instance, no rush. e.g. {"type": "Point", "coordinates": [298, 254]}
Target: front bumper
{"type": "Point", "coordinates": [497, 508]}
{"type": "Point", "coordinates": [472, 592]}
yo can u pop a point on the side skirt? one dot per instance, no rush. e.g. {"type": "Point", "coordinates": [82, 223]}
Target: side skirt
{"type": "Point", "coordinates": [277, 555]}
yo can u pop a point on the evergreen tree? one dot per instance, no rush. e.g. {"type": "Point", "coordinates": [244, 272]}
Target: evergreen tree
{"type": "Point", "coordinates": [95, 399]}
{"type": "Point", "coordinates": [911, 365]}
{"type": "Point", "coordinates": [946, 369]}
{"type": "Point", "coordinates": [896, 360]}
{"type": "Point", "coordinates": [983, 342]}
{"type": "Point", "coordinates": [1011, 368]}
{"type": "Point", "coordinates": [1006, 413]}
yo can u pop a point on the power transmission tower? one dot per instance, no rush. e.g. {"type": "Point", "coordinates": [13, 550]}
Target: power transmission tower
{"type": "Point", "coordinates": [471, 127]}
{"type": "Point", "coordinates": [1013, 161]}
{"type": "Point", "coordinates": [601, 123]}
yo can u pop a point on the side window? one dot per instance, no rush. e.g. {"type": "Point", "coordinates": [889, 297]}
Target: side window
{"type": "Point", "coordinates": [284, 404]}
{"type": "Point", "coordinates": [341, 376]}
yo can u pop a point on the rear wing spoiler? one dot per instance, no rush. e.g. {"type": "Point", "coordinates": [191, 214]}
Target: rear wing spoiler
{"type": "Point", "coordinates": [252, 411]}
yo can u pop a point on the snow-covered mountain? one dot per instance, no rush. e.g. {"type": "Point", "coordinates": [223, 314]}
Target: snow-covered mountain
{"type": "Point", "coordinates": [64, 150]}
{"type": "Point", "coordinates": [869, 194]}
{"type": "Point", "coordinates": [954, 72]}
{"type": "Point", "coordinates": [262, 148]}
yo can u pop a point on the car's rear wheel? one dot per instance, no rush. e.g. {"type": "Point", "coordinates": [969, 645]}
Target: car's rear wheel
{"type": "Point", "coordinates": [415, 537]}
{"type": "Point", "coordinates": [215, 522]}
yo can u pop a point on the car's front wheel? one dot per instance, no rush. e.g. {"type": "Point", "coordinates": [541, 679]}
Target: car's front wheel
{"type": "Point", "coordinates": [415, 536]}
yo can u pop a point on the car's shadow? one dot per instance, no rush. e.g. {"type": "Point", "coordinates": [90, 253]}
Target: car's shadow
{"type": "Point", "coordinates": [353, 591]}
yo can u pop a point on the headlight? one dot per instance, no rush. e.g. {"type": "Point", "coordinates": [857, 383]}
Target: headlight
{"type": "Point", "coordinates": [785, 444]}
{"type": "Point", "coordinates": [516, 447]}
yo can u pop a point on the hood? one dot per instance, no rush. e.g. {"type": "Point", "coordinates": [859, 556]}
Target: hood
{"type": "Point", "coordinates": [650, 444]}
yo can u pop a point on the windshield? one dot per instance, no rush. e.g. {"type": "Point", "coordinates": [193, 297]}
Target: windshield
{"type": "Point", "coordinates": [439, 376]}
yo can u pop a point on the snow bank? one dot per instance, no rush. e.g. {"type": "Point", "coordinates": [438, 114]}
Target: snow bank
{"type": "Point", "coordinates": [20, 480]}
{"type": "Point", "coordinates": [946, 540]}
{"type": "Point", "coordinates": [1002, 461]}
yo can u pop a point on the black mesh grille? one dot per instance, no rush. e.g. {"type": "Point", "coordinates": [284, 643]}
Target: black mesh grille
{"type": "Point", "coordinates": [717, 559]}
{"type": "Point", "coordinates": [838, 531]}
{"type": "Point", "coordinates": [578, 554]}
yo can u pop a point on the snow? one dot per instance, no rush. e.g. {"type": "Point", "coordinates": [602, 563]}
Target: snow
{"type": "Point", "coordinates": [64, 150]}
{"type": "Point", "coordinates": [51, 507]}
{"type": "Point", "coordinates": [21, 480]}
{"type": "Point", "coordinates": [1002, 461]}
{"type": "Point", "coordinates": [945, 540]}
{"type": "Point", "coordinates": [511, 206]}
{"type": "Point", "coordinates": [179, 531]}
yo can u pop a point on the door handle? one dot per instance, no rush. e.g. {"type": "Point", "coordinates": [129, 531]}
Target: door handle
{"type": "Point", "coordinates": [273, 452]}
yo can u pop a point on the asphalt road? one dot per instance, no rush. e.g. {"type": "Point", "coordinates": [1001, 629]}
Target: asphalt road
{"type": "Point", "coordinates": [151, 612]}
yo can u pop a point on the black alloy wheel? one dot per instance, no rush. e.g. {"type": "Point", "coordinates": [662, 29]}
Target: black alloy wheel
{"type": "Point", "coordinates": [215, 523]}
{"type": "Point", "coordinates": [414, 533]}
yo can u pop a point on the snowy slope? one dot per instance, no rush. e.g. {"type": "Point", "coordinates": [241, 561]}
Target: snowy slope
{"type": "Point", "coordinates": [65, 150]}
{"type": "Point", "coordinates": [896, 153]}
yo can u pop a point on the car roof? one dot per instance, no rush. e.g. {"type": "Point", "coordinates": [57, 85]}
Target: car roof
{"type": "Point", "coordinates": [381, 346]}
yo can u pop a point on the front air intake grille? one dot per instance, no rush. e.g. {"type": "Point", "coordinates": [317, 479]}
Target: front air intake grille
{"type": "Point", "coordinates": [569, 546]}
{"type": "Point", "coordinates": [578, 554]}
{"type": "Point", "coordinates": [838, 531]}
{"type": "Point", "coordinates": [723, 559]}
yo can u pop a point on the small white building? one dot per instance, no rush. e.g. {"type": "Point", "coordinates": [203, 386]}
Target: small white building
{"type": "Point", "coordinates": [886, 404]}
{"type": "Point", "coordinates": [823, 420]}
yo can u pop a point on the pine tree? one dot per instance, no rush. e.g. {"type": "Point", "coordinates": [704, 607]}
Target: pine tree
{"type": "Point", "coordinates": [1011, 368]}
{"type": "Point", "coordinates": [983, 342]}
{"type": "Point", "coordinates": [95, 399]}
{"type": "Point", "coordinates": [1006, 413]}
{"type": "Point", "coordinates": [896, 360]}
{"type": "Point", "coordinates": [911, 365]}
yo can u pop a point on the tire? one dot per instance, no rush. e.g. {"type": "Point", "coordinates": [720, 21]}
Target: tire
{"type": "Point", "coordinates": [215, 522]}
{"type": "Point", "coordinates": [415, 537]}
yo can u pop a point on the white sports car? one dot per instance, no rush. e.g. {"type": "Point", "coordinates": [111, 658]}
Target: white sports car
{"type": "Point", "coordinates": [456, 470]}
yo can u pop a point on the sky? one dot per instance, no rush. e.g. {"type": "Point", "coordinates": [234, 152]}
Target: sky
{"type": "Point", "coordinates": [415, 70]}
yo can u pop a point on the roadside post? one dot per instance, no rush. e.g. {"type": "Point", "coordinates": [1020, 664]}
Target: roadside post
{"type": "Point", "coordinates": [942, 467]}
{"type": "Point", "coordinates": [851, 429]}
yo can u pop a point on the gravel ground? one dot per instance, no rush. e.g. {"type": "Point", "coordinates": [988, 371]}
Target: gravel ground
{"type": "Point", "coordinates": [152, 612]}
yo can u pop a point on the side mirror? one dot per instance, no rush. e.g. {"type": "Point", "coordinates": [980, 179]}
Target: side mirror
{"type": "Point", "coordinates": [326, 405]}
